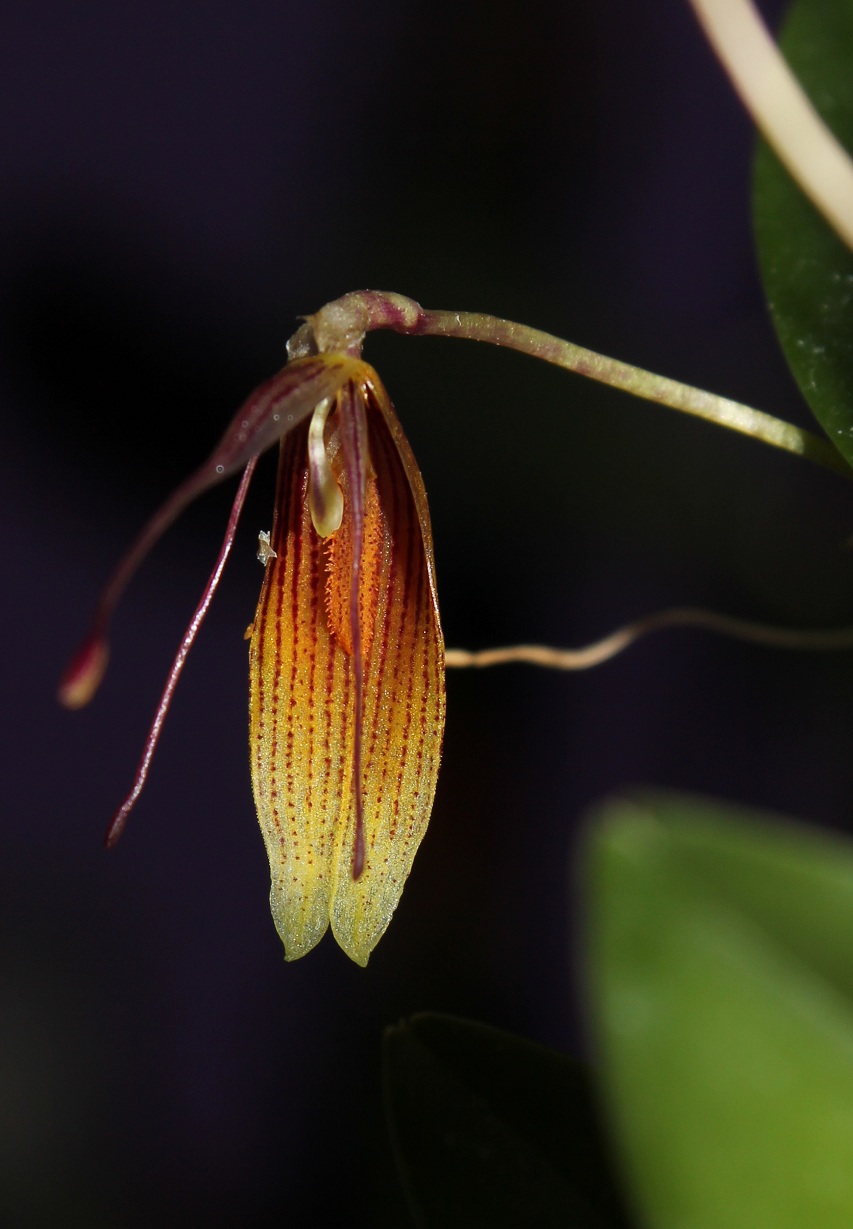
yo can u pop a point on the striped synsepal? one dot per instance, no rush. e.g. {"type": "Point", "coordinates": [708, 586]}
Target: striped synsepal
{"type": "Point", "coordinates": [302, 698]}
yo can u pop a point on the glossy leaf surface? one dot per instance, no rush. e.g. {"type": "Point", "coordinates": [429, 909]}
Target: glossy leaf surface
{"type": "Point", "coordinates": [807, 270]}
{"type": "Point", "coordinates": [719, 955]}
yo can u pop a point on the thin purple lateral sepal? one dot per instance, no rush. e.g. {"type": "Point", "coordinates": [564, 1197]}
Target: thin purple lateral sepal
{"type": "Point", "coordinates": [118, 821]}
{"type": "Point", "coordinates": [272, 410]}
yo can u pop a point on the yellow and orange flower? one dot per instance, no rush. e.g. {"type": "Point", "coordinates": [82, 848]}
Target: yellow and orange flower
{"type": "Point", "coordinates": [347, 701]}
{"type": "Point", "coordinates": [346, 673]}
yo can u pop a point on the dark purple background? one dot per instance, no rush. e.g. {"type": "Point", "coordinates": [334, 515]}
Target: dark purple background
{"type": "Point", "coordinates": [177, 184]}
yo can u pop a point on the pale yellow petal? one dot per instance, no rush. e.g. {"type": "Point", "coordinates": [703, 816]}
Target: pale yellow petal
{"type": "Point", "coordinates": [302, 694]}
{"type": "Point", "coordinates": [298, 713]}
{"type": "Point", "coordinates": [403, 715]}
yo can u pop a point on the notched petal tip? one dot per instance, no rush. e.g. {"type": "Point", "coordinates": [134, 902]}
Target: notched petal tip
{"type": "Point", "coordinates": [358, 955]}
{"type": "Point", "coordinates": [82, 676]}
{"type": "Point", "coordinates": [301, 918]}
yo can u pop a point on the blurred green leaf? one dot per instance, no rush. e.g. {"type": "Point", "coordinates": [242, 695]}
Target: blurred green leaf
{"type": "Point", "coordinates": [807, 270]}
{"type": "Point", "coordinates": [721, 973]}
{"type": "Point", "coordinates": [492, 1130]}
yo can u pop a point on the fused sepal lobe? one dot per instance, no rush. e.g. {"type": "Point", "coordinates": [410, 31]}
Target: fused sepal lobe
{"type": "Point", "coordinates": [404, 711]}
{"type": "Point", "coordinates": [361, 600]}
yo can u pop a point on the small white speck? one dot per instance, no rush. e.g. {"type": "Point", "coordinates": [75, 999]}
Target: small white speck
{"type": "Point", "coordinates": [265, 551]}
{"type": "Point", "coordinates": [220, 469]}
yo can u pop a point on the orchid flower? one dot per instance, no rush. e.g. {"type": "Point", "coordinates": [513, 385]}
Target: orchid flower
{"type": "Point", "coordinates": [347, 698]}
{"type": "Point", "coordinates": [346, 672]}
{"type": "Point", "coordinates": [347, 659]}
